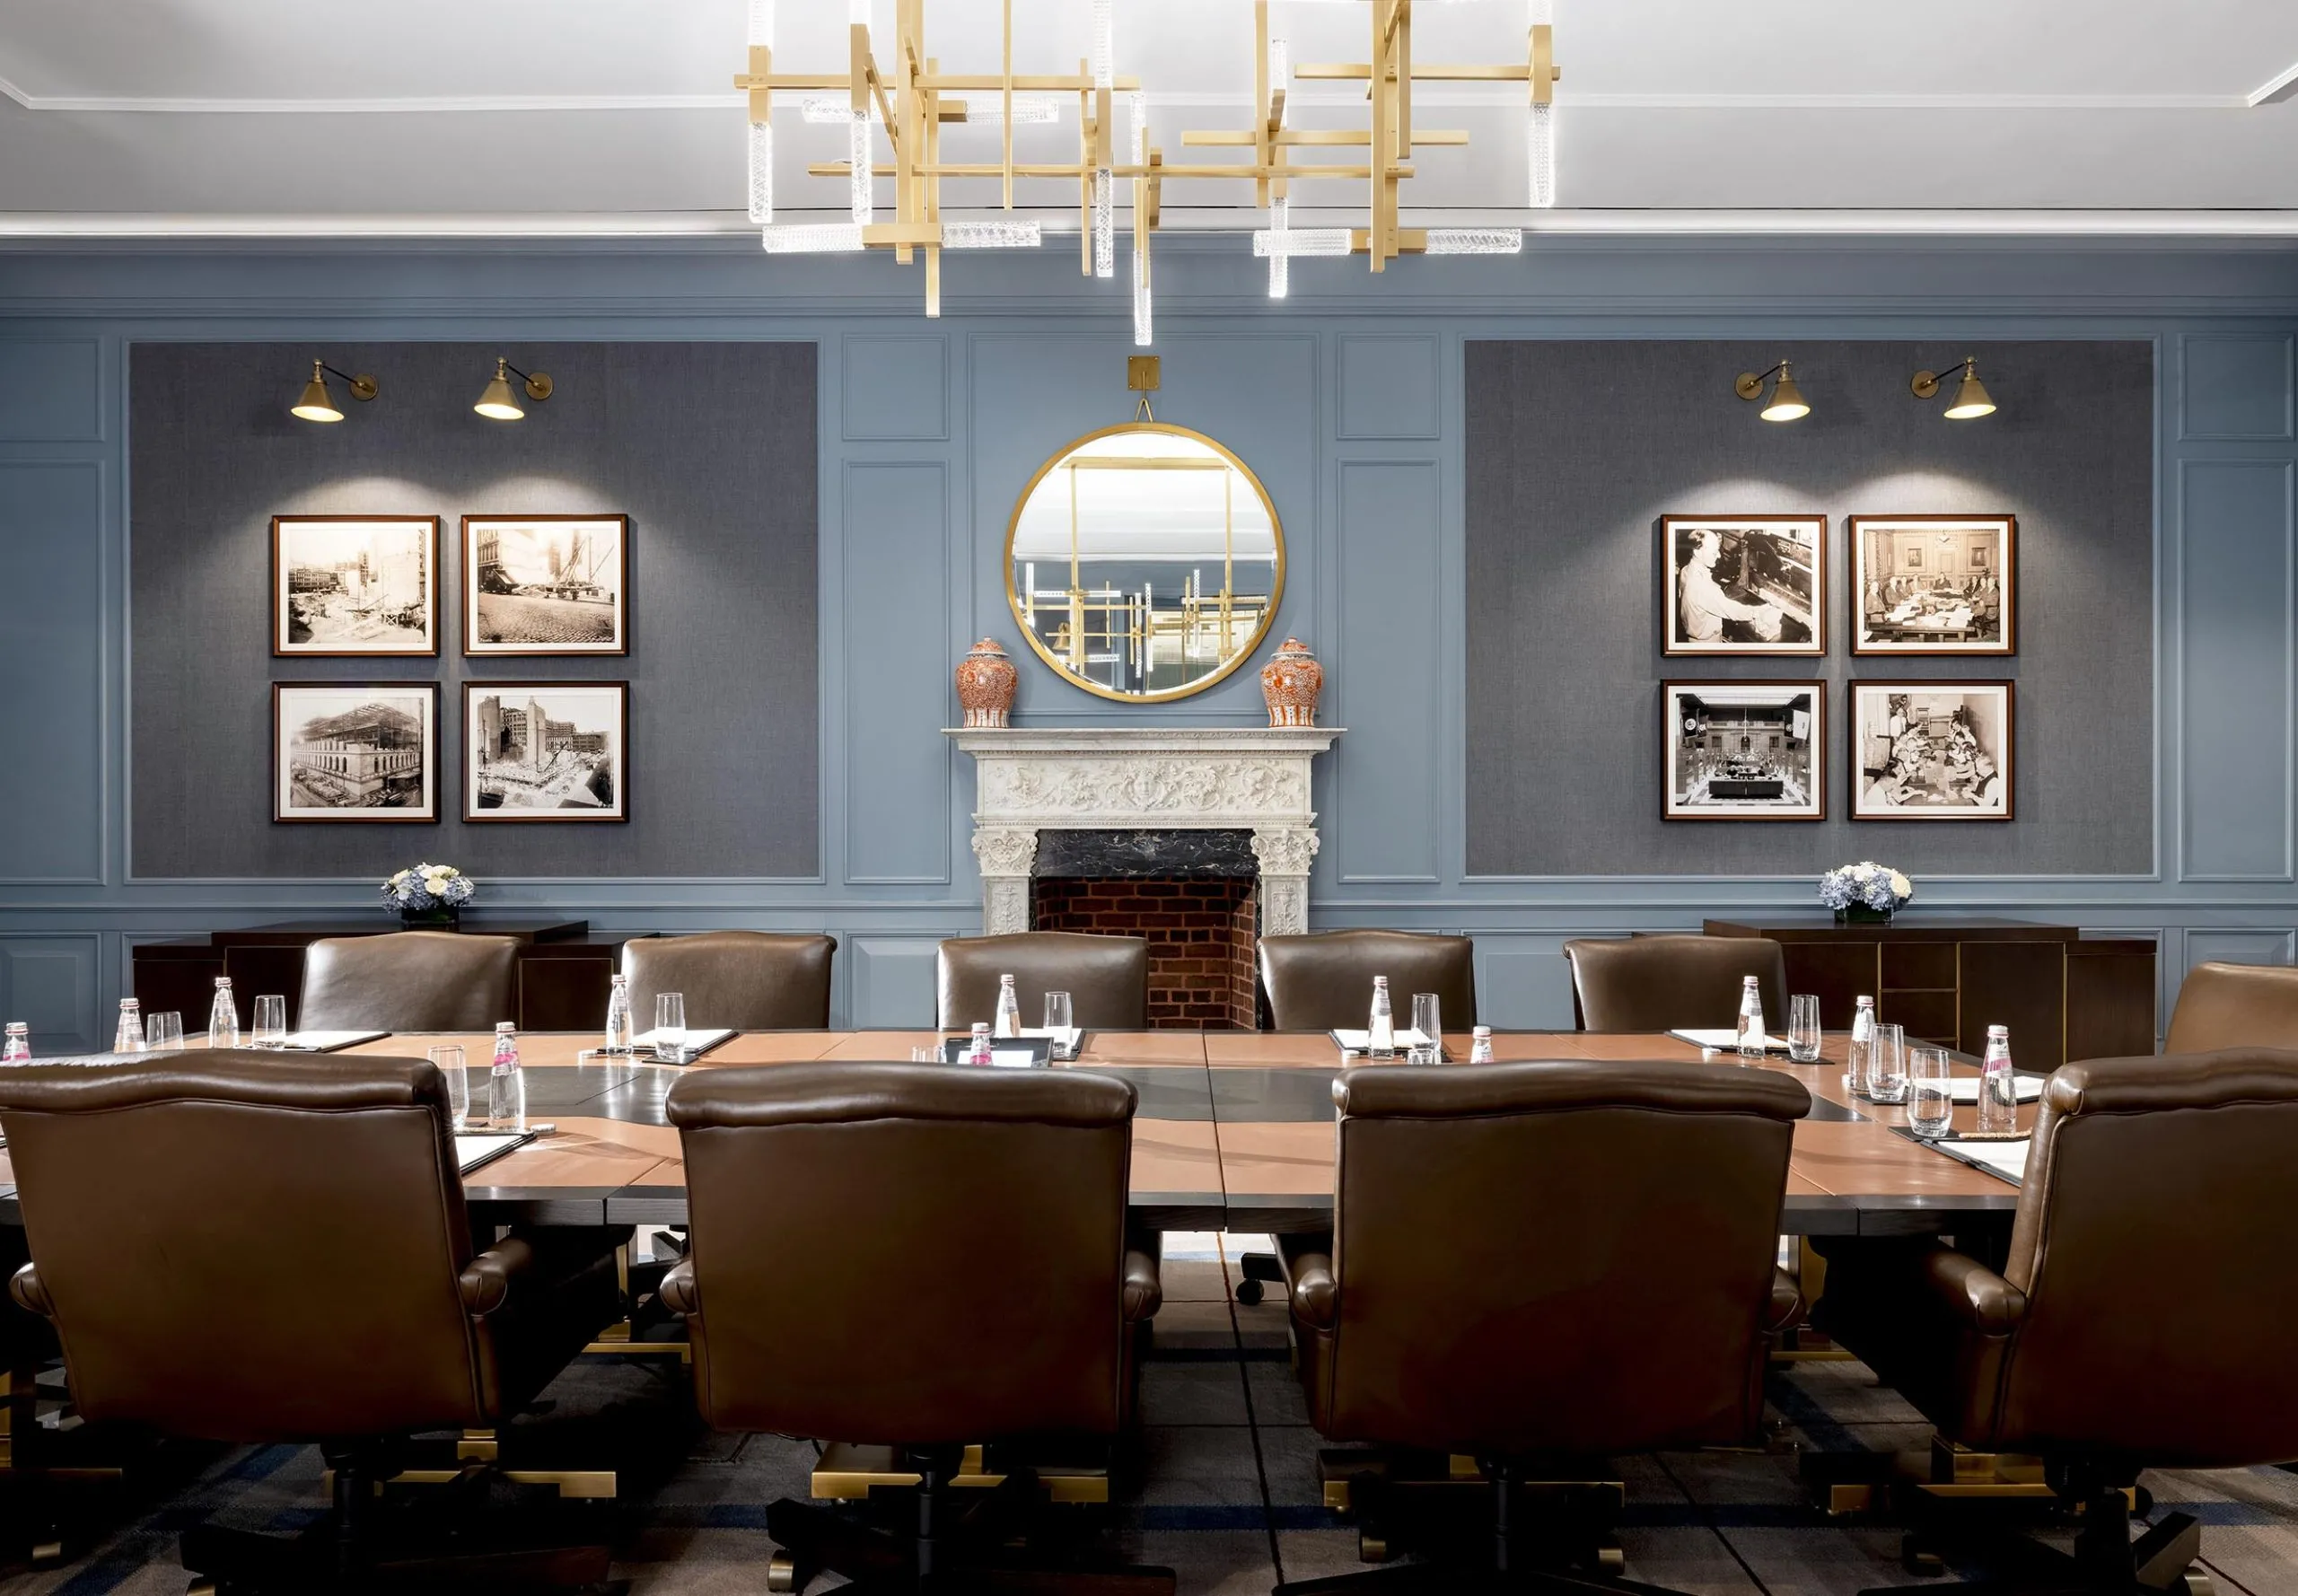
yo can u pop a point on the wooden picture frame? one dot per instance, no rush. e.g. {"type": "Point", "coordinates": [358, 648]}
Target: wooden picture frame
{"type": "Point", "coordinates": [1933, 586]}
{"type": "Point", "coordinates": [546, 584]}
{"type": "Point", "coordinates": [1692, 777]}
{"type": "Point", "coordinates": [558, 782]}
{"type": "Point", "coordinates": [345, 582]}
{"type": "Point", "coordinates": [357, 774]}
{"type": "Point", "coordinates": [1966, 750]}
{"type": "Point", "coordinates": [1776, 564]}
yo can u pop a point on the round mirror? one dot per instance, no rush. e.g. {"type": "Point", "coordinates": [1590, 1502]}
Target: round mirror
{"type": "Point", "coordinates": [1144, 562]}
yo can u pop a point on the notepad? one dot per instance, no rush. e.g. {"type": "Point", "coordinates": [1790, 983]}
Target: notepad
{"type": "Point", "coordinates": [1723, 1037]}
{"type": "Point", "coordinates": [697, 1039]}
{"type": "Point", "coordinates": [2006, 1158]}
{"type": "Point", "coordinates": [328, 1041]}
{"type": "Point", "coordinates": [473, 1151]}
{"type": "Point", "coordinates": [1361, 1041]}
{"type": "Point", "coordinates": [1966, 1091]}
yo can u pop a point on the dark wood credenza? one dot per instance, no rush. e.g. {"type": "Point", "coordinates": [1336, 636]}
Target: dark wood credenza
{"type": "Point", "coordinates": [563, 969]}
{"type": "Point", "coordinates": [2064, 996]}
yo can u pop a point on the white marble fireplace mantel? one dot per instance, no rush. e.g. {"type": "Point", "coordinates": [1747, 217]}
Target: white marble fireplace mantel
{"type": "Point", "coordinates": [1110, 778]}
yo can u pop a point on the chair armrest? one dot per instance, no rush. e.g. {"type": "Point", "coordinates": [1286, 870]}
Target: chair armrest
{"type": "Point", "coordinates": [30, 1295]}
{"type": "Point", "coordinates": [677, 1291]}
{"type": "Point", "coordinates": [1974, 1293]}
{"type": "Point", "coordinates": [1145, 1286]}
{"type": "Point", "coordinates": [487, 1280]}
{"type": "Point", "coordinates": [1787, 1302]}
{"type": "Point", "coordinates": [1316, 1294]}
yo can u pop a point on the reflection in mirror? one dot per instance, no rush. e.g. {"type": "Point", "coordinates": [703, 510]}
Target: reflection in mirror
{"type": "Point", "coordinates": [1144, 562]}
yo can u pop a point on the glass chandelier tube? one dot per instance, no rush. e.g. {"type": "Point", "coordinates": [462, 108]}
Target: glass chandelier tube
{"type": "Point", "coordinates": [761, 22]}
{"type": "Point", "coordinates": [1280, 258]}
{"type": "Point", "coordinates": [1540, 156]}
{"type": "Point", "coordinates": [1104, 65]}
{"type": "Point", "coordinates": [761, 162]}
{"type": "Point", "coordinates": [857, 145]}
{"type": "Point", "coordinates": [1144, 328]}
{"type": "Point", "coordinates": [813, 238]}
{"type": "Point", "coordinates": [1302, 241]}
{"type": "Point", "coordinates": [1476, 241]}
{"type": "Point", "coordinates": [991, 235]}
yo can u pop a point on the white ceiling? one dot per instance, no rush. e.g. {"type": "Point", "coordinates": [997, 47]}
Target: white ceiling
{"type": "Point", "coordinates": [618, 114]}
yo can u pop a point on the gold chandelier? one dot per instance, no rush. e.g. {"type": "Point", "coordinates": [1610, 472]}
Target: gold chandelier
{"type": "Point", "coordinates": [910, 95]}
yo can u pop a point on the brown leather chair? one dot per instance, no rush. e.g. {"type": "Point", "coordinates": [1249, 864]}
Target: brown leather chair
{"type": "Point", "coordinates": [1536, 1264]}
{"type": "Point", "coordinates": [407, 981]}
{"type": "Point", "coordinates": [2235, 1005]}
{"type": "Point", "coordinates": [746, 980]}
{"type": "Point", "coordinates": [1323, 981]}
{"type": "Point", "coordinates": [1668, 983]}
{"type": "Point", "coordinates": [2141, 1318]}
{"type": "Point", "coordinates": [1107, 977]}
{"type": "Point", "coordinates": [919, 1256]}
{"type": "Point", "coordinates": [260, 1248]}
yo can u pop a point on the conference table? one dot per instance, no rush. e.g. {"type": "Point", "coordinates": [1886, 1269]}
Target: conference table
{"type": "Point", "coordinates": [1234, 1130]}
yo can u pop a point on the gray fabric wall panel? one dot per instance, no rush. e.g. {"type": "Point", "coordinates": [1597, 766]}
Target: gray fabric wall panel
{"type": "Point", "coordinates": [1575, 450]}
{"type": "Point", "coordinates": [709, 448]}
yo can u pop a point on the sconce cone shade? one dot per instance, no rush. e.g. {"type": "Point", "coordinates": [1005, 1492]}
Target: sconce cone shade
{"type": "Point", "coordinates": [1972, 399]}
{"type": "Point", "coordinates": [1786, 400]}
{"type": "Point", "coordinates": [315, 405]}
{"type": "Point", "coordinates": [496, 402]}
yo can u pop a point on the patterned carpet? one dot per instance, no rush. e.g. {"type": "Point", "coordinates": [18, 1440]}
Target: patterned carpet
{"type": "Point", "coordinates": [1231, 1495]}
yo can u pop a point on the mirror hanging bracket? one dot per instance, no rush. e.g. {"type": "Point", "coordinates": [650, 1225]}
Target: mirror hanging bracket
{"type": "Point", "coordinates": [1143, 375]}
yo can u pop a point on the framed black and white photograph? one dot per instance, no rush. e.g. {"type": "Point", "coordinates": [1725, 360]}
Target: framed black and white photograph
{"type": "Point", "coordinates": [545, 750]}
{"type": "Point", "coordinates": [546, 584]}
{"type": "Point", "coordinates": [1935, 585]}
{"type": "Point", "coordinates": [1744, 750]}
{"type": "Point", "coordinates": [346, 585]}
{"type": "Point", "coordinates": [1932, 751]}
{"type": "Point", "coordinates": [1744, 584]}
{"type": "Point", "coordinates": [355, 751]}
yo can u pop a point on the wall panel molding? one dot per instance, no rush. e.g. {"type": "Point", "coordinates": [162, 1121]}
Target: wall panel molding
{"type": "Point", "coordinates": [1388, 686]}
{"type": "Point", "coordinates": [898, 655]}
{"type": "Point", "coordinates": [56, 677]}
{"type": "Point", "coordinates": [1389, 386]}
{"type": "Point", "coordinates": [897, 388]}
{"type": "Point", "coordinates": [54, 984]}
{"type": "Point", "coordinates": [51, 390]}
{"type": "Point", "coordinates": [2236, 388]}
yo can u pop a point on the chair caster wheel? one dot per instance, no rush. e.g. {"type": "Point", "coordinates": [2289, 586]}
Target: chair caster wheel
{"type": "Point", "coordinates": [2141, 1501]}
{"type": "Point", "coordinates": [202, 1587]}
{"type": "Point", "coordinates": [1917, 1559]}
{"type": "Point", "coordinates": [1372, 1547]}
{"type": "Point", "coordinates": [1611, 1561]}
{"type": "Point", "coordinates": [1249, 1292]}
{"type": "Point", "coordinates": [47, 1554]}
{"type": "Point", "coordinates": [782, 1575]}
{"type": "Point", "coordinates": [2195, 1583]}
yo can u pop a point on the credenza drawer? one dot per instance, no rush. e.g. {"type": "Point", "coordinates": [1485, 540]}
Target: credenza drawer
{"type": "Point", "coordinates": [1918, 966]}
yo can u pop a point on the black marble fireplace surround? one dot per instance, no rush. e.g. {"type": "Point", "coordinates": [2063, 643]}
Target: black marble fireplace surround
{"type": "Point", "coordinates": [1127, 855]}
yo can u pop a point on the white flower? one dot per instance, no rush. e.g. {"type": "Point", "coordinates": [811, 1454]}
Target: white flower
{"type": "Point", "coordinates": [1901, 885]}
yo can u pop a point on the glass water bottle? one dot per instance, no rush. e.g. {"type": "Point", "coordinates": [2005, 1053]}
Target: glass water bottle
{"type": "Point", "coordinates": [1751, 1026]}
{"type": "Point", "coordinates": [129, 1037]}
{"type": "Point", "coordinates": [619, 1037]}
{"type": "Point", "coordinates": [1998, 1085]}
{"type": "Point", "coordinates": [507, 1083]}
{"type": "Point", "coordinates": [1009, 1008]}
{"type": "Point", "coordinates": [978, 1050]}
{"type": "Point", "coordinates": [222, 1016]}
{"type": "Point", "coordinates": [1381, 1033]}
{"type": "Point", "coordinates": [1480, 1045]}
{"type": "Point", "coordinates": [1863, 1044]}
{"type": "Point", "coordinates": [18, 1049]}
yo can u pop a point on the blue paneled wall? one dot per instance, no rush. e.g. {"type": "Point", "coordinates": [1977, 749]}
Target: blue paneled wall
{"type": "Point", "coordinates": [1346, 401]}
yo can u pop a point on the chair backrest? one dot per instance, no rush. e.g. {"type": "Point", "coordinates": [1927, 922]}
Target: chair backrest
{"type": "Point", "coordinates": [251, 1247]}
{"type": "Point", "coordinates": [2235, 1005]}
{"type": "Point", "coordinates": [1667, 983]}
{"type": "Point", "coordinates": [2153, 1241]}
{"type": "Point", "coordinates": [907, 1254]}
{"type": "Point", "coordinates": [1323, 981]}
{"type": "Point", "coordinates": [1565, 1257]}
{"type": "Point", "coordinates": [1107, 977]}
{"type": "Point", "coordinates": [407, 981]}
{"type": "Point", "coordinates": [750, 981]}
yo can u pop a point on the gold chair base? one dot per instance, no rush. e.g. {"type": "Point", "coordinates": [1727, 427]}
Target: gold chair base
{"type": "Point", "coordinates": [1337, 1469]}
{"type": "Point", "coordinates": [615, 1341]}
{"type": "Point", "coordinates": [1945, 1473]}
{"type": "Point", "coordinates": [846, 1471]}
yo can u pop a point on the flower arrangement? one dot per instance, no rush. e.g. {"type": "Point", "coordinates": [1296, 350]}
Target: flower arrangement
{"type": "Point", "coordinates": [429, 894]}
{"type": "Point", "coordinates": [1864, 891]}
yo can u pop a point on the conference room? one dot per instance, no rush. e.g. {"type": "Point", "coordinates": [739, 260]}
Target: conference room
{"type": "Point", "coordinates": [774, 825]}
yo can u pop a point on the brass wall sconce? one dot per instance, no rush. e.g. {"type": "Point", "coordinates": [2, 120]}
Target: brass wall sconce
{"type": "Point", "coordinates": [1972, 399]}
{"type": "Point", "coordinates": [1787, 402]}
{"type": "Point", "coordinates": [318, 405]}
{"type": "Point", "coordinates": [497, 403]}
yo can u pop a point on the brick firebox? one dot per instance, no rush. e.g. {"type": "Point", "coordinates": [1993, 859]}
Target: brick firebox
{"type": "Point", "coordinates": [1201, 933]}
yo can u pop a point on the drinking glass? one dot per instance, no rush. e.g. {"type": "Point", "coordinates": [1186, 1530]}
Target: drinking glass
{"type": "Point", "coordinates": [1803, 1034]}
{"type": "Point", "coordinates": [1931, 1096]}
{"type": "Point", "coordinates": [1429, 1021]}
{"type": "Point", "coordinates": [930, 1055]}
{"type": "Point", "coordinates": [1887, 1065]}
{"type": "Point", "coordinates": [1058, 1021]}
{"type": "Point", "coordinates": [164, 1031]}
{"type": "Point", "coordinates": [450, 1060]}
{"type": "Point", "coordinates": [270, 1022]}
{"type": "Point", "coordinates": [670, 1027]}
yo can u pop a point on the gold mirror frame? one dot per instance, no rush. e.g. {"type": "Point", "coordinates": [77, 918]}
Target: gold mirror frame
{"type": "Point", "coordinates": [1228, 667]}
